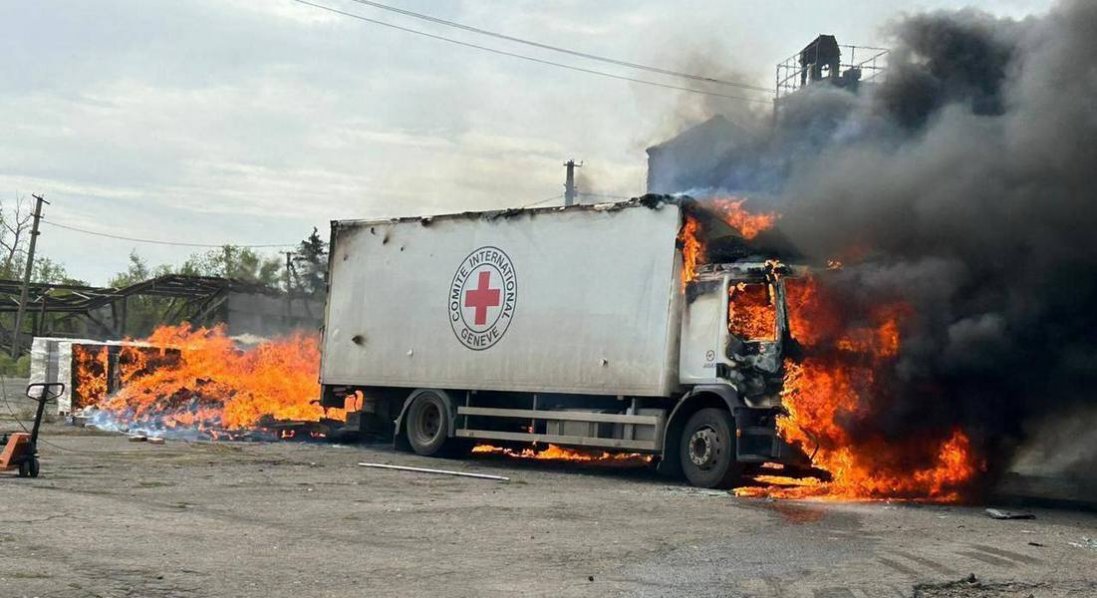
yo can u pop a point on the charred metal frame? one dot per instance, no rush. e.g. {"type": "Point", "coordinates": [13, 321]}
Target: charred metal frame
{"type": "Point", "coordinates": [196, 299]}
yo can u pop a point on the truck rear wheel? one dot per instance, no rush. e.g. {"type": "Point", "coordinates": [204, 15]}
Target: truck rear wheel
{"type": "Point", "coordinates": [707, 450]}
{"type": "Point", "coordinates": [428, 424]}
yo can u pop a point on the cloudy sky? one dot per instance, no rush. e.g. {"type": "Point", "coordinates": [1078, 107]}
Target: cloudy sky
{"type": "Point", "coordinates": [251, 121]}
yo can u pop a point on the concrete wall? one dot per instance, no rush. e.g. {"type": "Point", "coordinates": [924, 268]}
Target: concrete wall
{"type": "Point", "coordinates": [268, 315]}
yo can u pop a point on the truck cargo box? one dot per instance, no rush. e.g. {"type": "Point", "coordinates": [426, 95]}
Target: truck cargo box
{"type": "Point", "coordinates": [568, 300]}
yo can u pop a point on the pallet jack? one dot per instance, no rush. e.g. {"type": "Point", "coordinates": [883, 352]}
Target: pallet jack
{"type": "Point", "coordinates": [21, 448]}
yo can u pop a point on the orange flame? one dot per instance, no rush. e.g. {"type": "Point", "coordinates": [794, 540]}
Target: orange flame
{"type": "Point", "coordinates": [692, 249]}
{"type": "Point", "coordinates": [750, 312]}
{"type": "Point", "coordinates": [553, 452]}
{"type": "Point", "coordinates": [89, 375]}
{"type": "Point", "coordinates": [749, 224]}
{"type": "Point", "coordinates": [198, 378]}
{"type": "Point", "coordinates": [731, 211]}
{"type": "Point", "coordinates": [834, 385]}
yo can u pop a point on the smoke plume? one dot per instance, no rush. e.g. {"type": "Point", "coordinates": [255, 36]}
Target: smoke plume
{"type": "Point", "coordinates": [963, 186]}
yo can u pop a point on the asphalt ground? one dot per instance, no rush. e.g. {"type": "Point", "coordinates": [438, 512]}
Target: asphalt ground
{"type": "Point", "coordinates": [110, 517]}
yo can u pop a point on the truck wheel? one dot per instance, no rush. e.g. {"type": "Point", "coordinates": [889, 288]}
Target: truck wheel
{"type": "Point", "coordinates": [427, 424]}
{"type": "Point", "coordinates": [707, 450]}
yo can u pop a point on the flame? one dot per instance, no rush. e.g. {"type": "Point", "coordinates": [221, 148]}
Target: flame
{"type": "Point", "coordinates": [89, 375]}
{"type": "Point", "coordinates": [832, 388]}
{"type": "Point", "coordinates": [771, 483]}
{"type": "Point", "coordinates": [750, 312]}
{"type": "Point", "coordinates": [553, 452]}
{"type": "Point", "coordinates": [692, 249]}
{"type": "Point", "coordinates": [829, 390]}
{"type": "Point", "coordinates": [749, 224]}
{"type": "Point", "coordinates": [196, 378]}
{"type": "Point", "coordinates": [731, 211]}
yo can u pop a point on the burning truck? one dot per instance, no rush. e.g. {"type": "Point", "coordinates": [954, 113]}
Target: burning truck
{"type": "Point", "coordinates": [587, 326]}
{"type": "Point", "coordinates": [658, 329]}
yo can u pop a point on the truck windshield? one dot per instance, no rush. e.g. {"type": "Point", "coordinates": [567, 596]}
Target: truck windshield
{"type": "Point", "coordinates": [752, 315]}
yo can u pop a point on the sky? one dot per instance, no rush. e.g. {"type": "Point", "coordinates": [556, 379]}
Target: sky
{"type": "Point", "coordinates": [253, 121]}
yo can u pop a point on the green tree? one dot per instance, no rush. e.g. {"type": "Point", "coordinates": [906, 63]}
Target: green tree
{"type": "Point", "coordinates": [143, 314]}
{"type": "Point", "coordinates": [236, 262]}
{"type": "Point", "coordinates": [47, 270]}
{"type": "Point", "coordinates": [138, 271]}
{"type": "Point", "coordinates": [311, 264]}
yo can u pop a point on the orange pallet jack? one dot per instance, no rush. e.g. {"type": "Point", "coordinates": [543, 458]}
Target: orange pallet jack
{"type": "Point", "coordinates": [21, 448]}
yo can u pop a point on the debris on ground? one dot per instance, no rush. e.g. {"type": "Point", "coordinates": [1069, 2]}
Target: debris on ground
{"type": "Point", "coordinates": [463, 474]}
{"type": "Point", "coordinates": [697, 491]}
{"type": "Point", "coordinates": [1090, 543]}
{"type": "Point", "coordinates": [972, 587]}
{"type": "Point", "coordinates": [1001, 514]}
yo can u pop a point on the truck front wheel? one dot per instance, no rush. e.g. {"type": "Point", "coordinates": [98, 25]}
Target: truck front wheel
{"type": "Point", "coordinates": [707, 450]}
{"type": "Point", "coordinates": [428, 426]}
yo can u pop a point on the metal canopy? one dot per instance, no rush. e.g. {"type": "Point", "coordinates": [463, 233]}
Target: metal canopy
{"type": "Point", "coordinates": [76, 299]}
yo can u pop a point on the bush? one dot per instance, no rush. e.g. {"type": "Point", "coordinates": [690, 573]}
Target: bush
{"type": "Point", "coordinates": [22, 367]}
{"type": "Point", "coordinates": [16, 368]}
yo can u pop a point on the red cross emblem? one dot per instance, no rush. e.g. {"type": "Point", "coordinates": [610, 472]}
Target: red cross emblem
{"type": "Point", "coordinates": [482, 297]}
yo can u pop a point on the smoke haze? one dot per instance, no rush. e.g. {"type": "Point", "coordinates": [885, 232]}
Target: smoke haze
{"type": "Point", "coordinates": [962, 186]}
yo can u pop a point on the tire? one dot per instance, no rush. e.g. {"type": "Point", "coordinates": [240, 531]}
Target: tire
{"type": "Point", "coordinates": [427, 424]}
{"type": "Point", "coordinates": [707, 450]}
{"type": "Point", "coordinates": [24, 469]}
{"type": "Point", "coordinates": [32, 469]}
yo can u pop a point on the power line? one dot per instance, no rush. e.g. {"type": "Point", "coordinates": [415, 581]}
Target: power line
{"type": "Point", "coordinates": [160, 242]}
{"type": "Point", "coordinates": [543, 46]}
{"type": "Point", "coordinates": [606, 195]}
{"type": "Point", "coordinates": [545, 200]}
{"type": "Point", "coordinates": [531, 58]}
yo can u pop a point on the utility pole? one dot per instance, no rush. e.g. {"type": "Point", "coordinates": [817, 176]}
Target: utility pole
{"type": "Point", "coordinates": [289, 269]}
{"type": "Point", "coordinates": [289, 298]}
{"type": "Point", "coordinates": [226, 254]}
{"type": "Point", "coordinates": [569, 183]}
{"type": "Point", "coordinates": [24, 294]}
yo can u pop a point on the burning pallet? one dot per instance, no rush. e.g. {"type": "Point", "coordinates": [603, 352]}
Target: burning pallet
{"type": "Point", "coordinates": [194, 384]}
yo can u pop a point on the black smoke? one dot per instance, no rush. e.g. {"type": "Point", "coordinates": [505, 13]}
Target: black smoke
{"type": "Point", "coordinates": [965, 186]}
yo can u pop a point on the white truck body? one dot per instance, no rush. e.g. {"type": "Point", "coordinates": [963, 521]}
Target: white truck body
{"type": "Point", "coordinates": [583, 300]}
{"type": "Point", "coordinates": [569, 326]}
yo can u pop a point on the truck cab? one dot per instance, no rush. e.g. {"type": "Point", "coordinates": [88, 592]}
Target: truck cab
{"type": "Point", "coordinates": [734, 328]}
{"type": "Point", "coordinates": [734, 336]}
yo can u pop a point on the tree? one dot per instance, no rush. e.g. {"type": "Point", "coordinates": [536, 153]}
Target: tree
{"type": "Point", "coordinates": [15, 231]}
{"type": "Point", "coordinates": [49, 271]}
{"type": "Point", "coordinates": [143, 313]}
{"type": "Point", "coordinates": [15, 226]}
{"type": "Point", "coordinates": [236, 262]}
{"type": "Point", "coordinates": [311, 263]}
{"type": "Point", "coordinates": [138, 271]}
